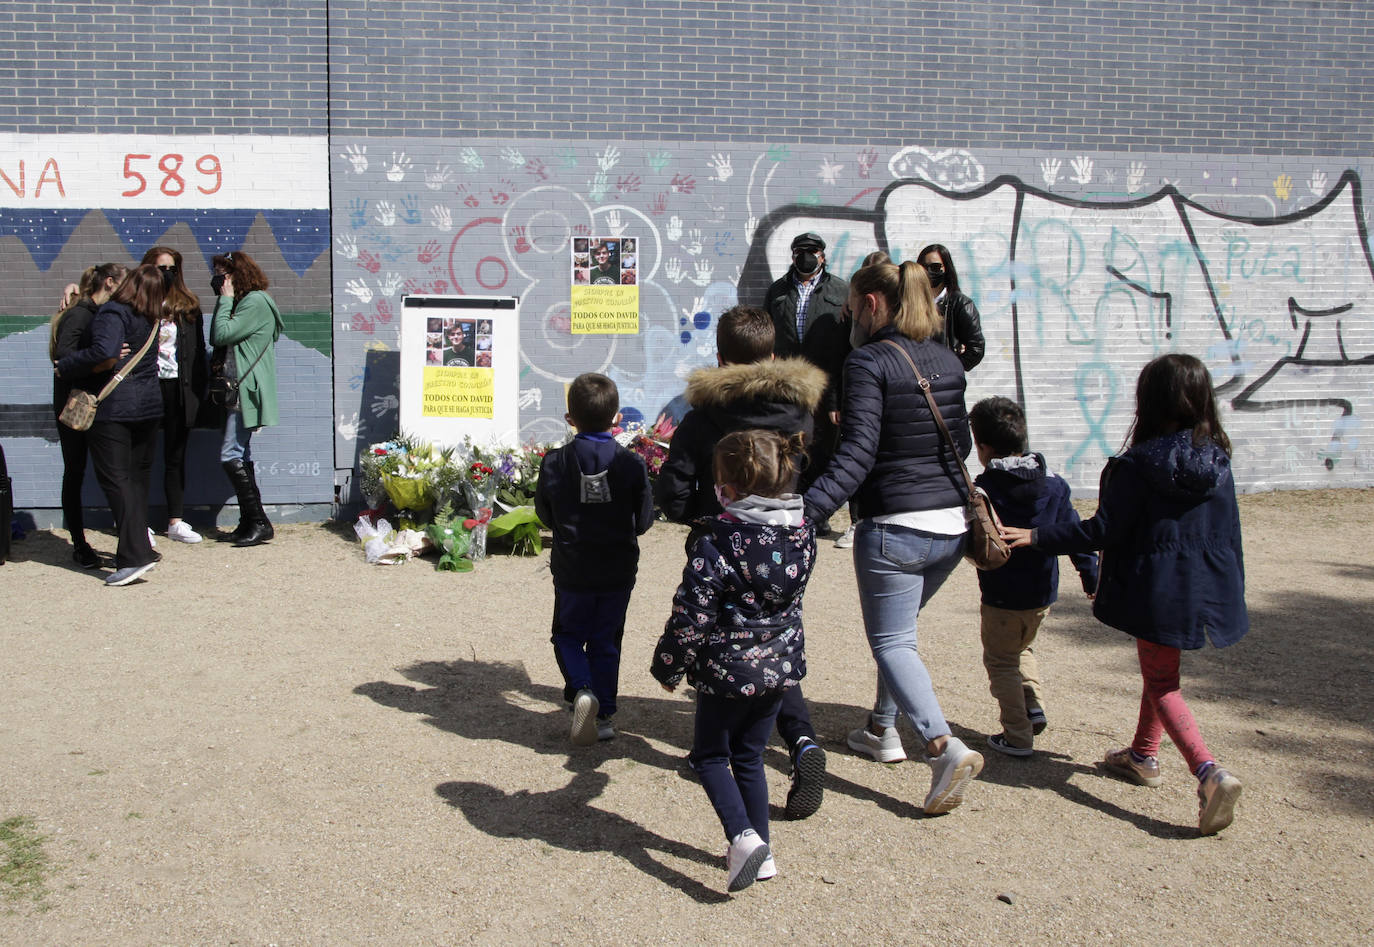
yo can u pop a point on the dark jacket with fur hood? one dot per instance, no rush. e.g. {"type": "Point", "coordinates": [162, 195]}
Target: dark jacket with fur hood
{"type": "Point", "coordinates": [777, 395]}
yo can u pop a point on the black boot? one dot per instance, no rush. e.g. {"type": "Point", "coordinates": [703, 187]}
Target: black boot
{"type": "Point", "coordinates": [239, 480]}
{"type": "Point", "coordinates": [259, 530]}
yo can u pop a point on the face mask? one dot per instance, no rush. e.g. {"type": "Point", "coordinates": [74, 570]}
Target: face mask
{"type": "Point", "coordinates": [858, 335]}
{"type": "Point", "coordinates": [806, 262]}
{"type": "Point", "coordinates": [217, 283]}
{"type": "Point", "coordinates": [721, 498]}
{"type": "Point", "coordinates": [936, 272]}
{"type": "Point", "coordinates": [169, 276]}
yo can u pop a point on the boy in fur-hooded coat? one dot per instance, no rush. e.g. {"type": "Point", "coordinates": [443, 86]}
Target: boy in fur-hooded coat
{"type": "Point", "coordinates": [775, 394]}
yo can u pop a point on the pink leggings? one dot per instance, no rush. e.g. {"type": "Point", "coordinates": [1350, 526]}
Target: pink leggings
{"type": "Point", "coordinates": [1162, 707]}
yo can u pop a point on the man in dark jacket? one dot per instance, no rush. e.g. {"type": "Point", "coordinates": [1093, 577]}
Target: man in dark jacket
{"type": "Point", "coordinates": [748, 389]}
{"type": "Point", "coordinates": [806, 306]}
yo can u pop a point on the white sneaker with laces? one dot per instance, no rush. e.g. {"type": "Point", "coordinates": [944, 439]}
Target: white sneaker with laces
{"type": "Point", "coordinates": [884, 749]}
{"type": "Point", "coordinates": [950, 774]}
{"type": "Point", "coordinates": [182, 532]}
{"type": "Point", "coordinates": [152, 540]}
{"type": "Point", "coordinates": [744, 858]}
{"type": "Point", "coordinates": [584, 718]}
{"type": "Point", "coordinates": [768, 869]}
{"type": "Point", "coordinates": [846, 541]}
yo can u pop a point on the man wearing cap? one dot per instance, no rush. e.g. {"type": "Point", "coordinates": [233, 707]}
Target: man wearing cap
{"type": "Point", "coordinates": [806, 305]}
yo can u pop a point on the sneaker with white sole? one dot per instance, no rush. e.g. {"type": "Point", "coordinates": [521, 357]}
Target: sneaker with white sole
{"type": "Point", "coordinates": [743, 859]}
{"type": "Point", "coordinates": [152, 539]}
{"type": "Point", "coordinates": [1123, 764]}
{"type": "Point", "coordinates": [951, 772]}
{"type": "Point", "coordinates": [127, 574]}
{"type": "Point", "coordinates": [846, 540]}
{"type": "Point", "coordinates": [768, 869]}
{"type": "Point", "coordinates": [883, 749]}
{"type": "Point", "coordinates": [1217, 795]}
{"type": "Point", "coordinates": [1000, 743]}
{"type": "Point", "coordinates": [182, 532]}
{"type": "Point", "coordinates": [808, 780]}
{"type": "Point", "coordinates": [584, 711]}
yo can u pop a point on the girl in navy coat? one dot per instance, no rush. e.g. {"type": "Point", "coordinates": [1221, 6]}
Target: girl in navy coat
{"type": "Point", "coordinates": [736, 634]}
{"type": "Point", "coordinates": [1172, 573]}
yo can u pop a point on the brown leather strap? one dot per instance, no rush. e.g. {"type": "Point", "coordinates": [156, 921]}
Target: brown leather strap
{"type": "Point", "coordinates": [935, 410]}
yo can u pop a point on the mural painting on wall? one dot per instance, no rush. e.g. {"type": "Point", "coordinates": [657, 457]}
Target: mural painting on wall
{"type": "Point", "coordinates": [70, 201]}
{"type": "Point", "coordinates": [1083, 267]}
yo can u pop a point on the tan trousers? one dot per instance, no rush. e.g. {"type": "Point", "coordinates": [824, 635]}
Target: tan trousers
{"type": "Point", "coordinates": [1013, 674]}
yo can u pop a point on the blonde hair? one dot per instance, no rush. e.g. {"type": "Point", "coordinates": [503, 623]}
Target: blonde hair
{"type": "Point", "coordinates": [758, 462]}
{"type": "Point", "coordinates": [906, 290]}
{"type": "Point", "coordinates": [92, 281]}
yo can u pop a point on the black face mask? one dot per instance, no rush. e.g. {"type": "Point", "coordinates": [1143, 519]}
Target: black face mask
{"type": "Point", "coordinates": [217, 283]}
{"type": "Point", "coordinates": [806, 262]}
{"type": "Point", "coordinates": [169, 276]}
{"type": "Point", "coordinates": [936, 272]}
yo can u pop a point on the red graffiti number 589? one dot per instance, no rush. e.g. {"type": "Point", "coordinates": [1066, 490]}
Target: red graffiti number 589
{"type": "Point", "coordinates": [173, 183]}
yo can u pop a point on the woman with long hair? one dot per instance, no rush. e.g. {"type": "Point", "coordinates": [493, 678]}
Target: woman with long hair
{"type": "Point", "coordinates": [246, 326]}
{"type": "Point", "coordinates": [963, 330]}
{"type": "Point", "coordinates": [181, 376]}
{"type": "Point", "coordinates": [124, 434]}
{"type": "Point", "coordinates": [906, 486]}
{"type": "Point", "coordinates": [68, 327]}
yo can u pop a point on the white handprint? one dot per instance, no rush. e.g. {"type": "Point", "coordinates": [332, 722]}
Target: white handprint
{"type": "Point", "coordinates": [1049, 171]}
{"type": "Point", "coordinates": [349, 428]}
{"type": "Point", "coordinates": [693, 242]}
{"type": "Point", "coordinates": [1082, 170]}
{"type": "Point", "coordinates": [348, 247]}
{"type": "Point", "coordinates": [471, 159]}
{"type": "Point", "coordinates": [1317, 183]}
{"type": "Point", "coordinates": [386, 213]}
{"type": "Point", "coordinates": [609, 158]}
{"type": "Point", "coordinates": [436, 180]}
{"type": "Point", "coordinates": [441, 217]}
{"type": "Point", "coordinates": [673, 269]}
{"type": "Point", "coordinates": [720, 167]}
{"type": "Point", "coordinates": [385, 404]}
{"type": "Point", "coordinates": [830, 171]}
{"type": "Point", "coordinates": [356, 155]}
{"type": "Point", "coordinates": [530, 397]}
{"type": "Point", "coordinates": [400, 164]}
{"type": "Point", "coordinates": [390, 283]}
{"type": "Point", "coordinates": [360, 289]}
{"type": "Point", "coordinates": [702, 277]}
{"type": "Point", "coordinates": [698, 305]}
{"type": "Point", "coordinates": [615, 223]}
{"type": "Point", "coordinates": [513, 157]}
{"type": "Point", "coordinates": [1135, 176]}
{"type": "Point", "coordinates": [597, 187]}
{"type": "Point", "coordinates": [750, 226]}
{"type": "Point", "coordinates": [674, 227]}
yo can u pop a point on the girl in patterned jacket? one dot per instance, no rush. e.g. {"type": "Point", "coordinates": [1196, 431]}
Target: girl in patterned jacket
{"type": "Point", "coordinates": [736, 634]}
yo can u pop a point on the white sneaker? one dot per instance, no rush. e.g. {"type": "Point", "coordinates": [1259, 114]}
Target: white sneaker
{"type": "Point", "coordinates": [152, 540]}
{"type": "Point", "coordinates": [884, 749]}
{"type": "Point", "coordinates": [744, 858]}
{"type": "Point", "coordinates": [951, 772]}
{"type": "Point", "coordinates": [768, 869]}
{"type": "Point", "coordinates": [182, 532]}
{"type": "Point", "coordinates": [846, 540]}
{"type": "Point", "coordinates": [584, 718]}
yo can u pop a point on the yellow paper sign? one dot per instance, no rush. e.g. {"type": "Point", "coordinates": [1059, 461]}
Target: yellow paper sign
{"type": "Point", "coordinates": [608, 310]}
{"type": "Point", "coordinates": [458, 392]}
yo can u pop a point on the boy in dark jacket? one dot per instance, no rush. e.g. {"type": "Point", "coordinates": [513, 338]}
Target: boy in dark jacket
{"type": "Point", "coordinates": [748, 390]}
{"type": "Point", "coordinates": [594, 495]}
{"type": "Point", "coordinates": [1017, 597]}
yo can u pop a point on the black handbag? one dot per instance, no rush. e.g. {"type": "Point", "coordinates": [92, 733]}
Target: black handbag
{"type": "Point", "coordinates": [223, 389]}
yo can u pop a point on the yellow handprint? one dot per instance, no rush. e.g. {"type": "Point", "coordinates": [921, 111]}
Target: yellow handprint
{"type": "Point", "coordinates": [1283, 186]}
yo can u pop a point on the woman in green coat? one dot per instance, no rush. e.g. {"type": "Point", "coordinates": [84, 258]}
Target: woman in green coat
{"type": "Point", "coordinates": [244, 332]}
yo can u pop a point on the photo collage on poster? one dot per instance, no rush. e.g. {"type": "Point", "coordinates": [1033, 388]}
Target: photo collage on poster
{"type": "Point", "coordinates": [458, 343]}
{"type": "Point", "coordinates": [604, 261]}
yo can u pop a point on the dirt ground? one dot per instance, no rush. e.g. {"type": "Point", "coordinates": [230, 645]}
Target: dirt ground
{"type": "Point", "coordinates": [284, 745]}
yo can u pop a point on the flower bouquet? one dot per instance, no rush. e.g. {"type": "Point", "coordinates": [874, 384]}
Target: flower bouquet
{"type": "Point", "coordinates": [451, 539]}
{"type": "Point", "coordinates": [412, 473]}
{"type": "Point", "coordinates": [651, 444]}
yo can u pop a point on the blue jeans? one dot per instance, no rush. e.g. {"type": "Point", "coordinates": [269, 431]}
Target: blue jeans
{"type": "Point", "coordinates": [727, 754]}
{"type": "Point", "coordinates": [588, 627]}
{"type": "Point", "coordinates": [898, 570]}
{"type": "Point", "coordinates": [236, 437]}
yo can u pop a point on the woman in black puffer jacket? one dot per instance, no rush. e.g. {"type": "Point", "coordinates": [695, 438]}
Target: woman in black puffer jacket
{"type": "Point", "coordinates": [124, 434]}
{"type": "Point", "coordinates": [905, 483]}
